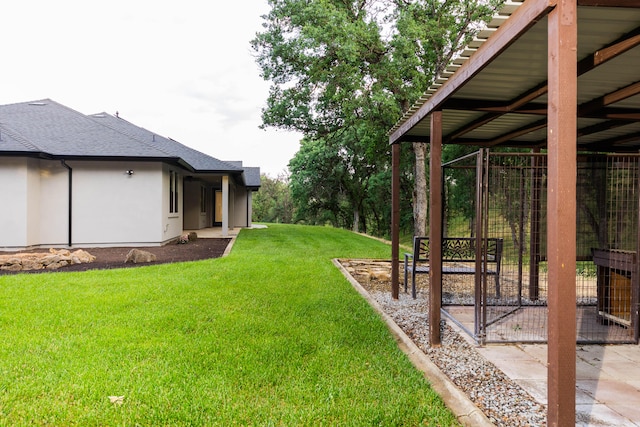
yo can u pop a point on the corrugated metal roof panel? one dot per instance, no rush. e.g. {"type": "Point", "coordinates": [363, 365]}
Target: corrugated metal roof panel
{"type": "Point", "coordinates": [522, 66]}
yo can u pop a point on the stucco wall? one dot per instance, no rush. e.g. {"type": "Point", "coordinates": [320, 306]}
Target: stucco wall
{"type": "Point", "coordinates": [171, 222]}
{"type": "Point", "coordinates": [33, 202]}
{"type": "Point", "coordinates": [249, 208]}
{"type": "Point", "coordinates": [113, 207]}
{"type": "Point", "coordinates": [51, 205]}
{"type": "Point", "coordinates": [109, 206]}
{"type": "Point", "coordinates": [14, 213]}
{"type": "Point", "coordinates": [240, 208]}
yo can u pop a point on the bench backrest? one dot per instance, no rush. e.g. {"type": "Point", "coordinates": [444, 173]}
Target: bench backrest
{"type": "Point", "coordinates": [461, 249]}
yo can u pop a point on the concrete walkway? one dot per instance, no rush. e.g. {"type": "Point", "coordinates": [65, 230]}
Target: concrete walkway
{"type": "Point", "coordinates": [216, 232]}
{"type": "Point", "coordinates": [607, 379]}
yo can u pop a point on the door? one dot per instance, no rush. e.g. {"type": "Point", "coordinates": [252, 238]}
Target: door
{"type": "Point", "coordinates": [217, 220]}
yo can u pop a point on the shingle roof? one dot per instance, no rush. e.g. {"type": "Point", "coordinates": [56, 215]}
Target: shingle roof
{"type": "Point", "coordinates": [13, 143]}
{"type": "Point", "coordinates": [198, 161]}
{"type": "Point", "coordinates": [252, 177]}
{"type": "Point", "coordinates": [48, 128]}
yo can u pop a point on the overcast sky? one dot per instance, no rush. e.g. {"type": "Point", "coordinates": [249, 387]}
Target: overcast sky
{"type": "Point", "coordinates": [183, 70]}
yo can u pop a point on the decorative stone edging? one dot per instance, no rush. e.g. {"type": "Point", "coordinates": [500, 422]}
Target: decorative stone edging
{"type": "Point", "coordinates": [52, 260]}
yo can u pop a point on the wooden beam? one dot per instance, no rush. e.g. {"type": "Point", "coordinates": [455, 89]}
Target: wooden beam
{"type": "Point", "coordinates": [613, 113]}
{"type": "Point", "coordinates": [520, 21]}
{"type": "Point", "coordinates": [487, 118]}
{"type": "Point", "coordinates": [521, 104]}
{"type": "Point", "coordinates": [601, 127]}
{"type": "Point", "coordinates": [614, 49]}
{"type": "Point", "coordinates": [395, 221]}
{"type": "Point", "coordinates": [435, 228]}
{"type": "Point", "coordinates": [561, 213]}
{"type": "Point", "coordinates": [533, 93]}
{"type": "Point", "coordinates": [540, 124]}
{"type": "Point", "coordinates": [512, 144]}
{"type": "Point", "coordinates": [617, 143]}
{"type": "Point", "coordinates": [608, 99]}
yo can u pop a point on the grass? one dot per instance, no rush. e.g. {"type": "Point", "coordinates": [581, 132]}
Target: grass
{"type": "Point", "coordinates": [270, 335]}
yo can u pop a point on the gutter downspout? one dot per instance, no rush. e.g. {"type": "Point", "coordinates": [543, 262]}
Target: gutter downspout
{"type": "Point", "coordinates": [70, 192]}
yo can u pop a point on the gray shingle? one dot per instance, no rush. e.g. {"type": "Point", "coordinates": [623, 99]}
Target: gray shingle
{"type": "Point", "coordinates": [12, 142]}
{"type": "Point", "coordinates": [200, 162]}
{"type": "Point", "coordinates": [60, 131]}
{"type": "Point", "coordinates": [49, 128]}
{"type": "Point", "coordinates": [252, 177]}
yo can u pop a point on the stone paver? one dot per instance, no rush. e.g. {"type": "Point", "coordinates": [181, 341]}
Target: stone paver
{"type": "Point", "coordinates": [607, 379]}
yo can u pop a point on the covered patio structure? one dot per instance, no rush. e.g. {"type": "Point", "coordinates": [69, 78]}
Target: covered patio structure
{"type": "Point", "coordinates": [559, 77]}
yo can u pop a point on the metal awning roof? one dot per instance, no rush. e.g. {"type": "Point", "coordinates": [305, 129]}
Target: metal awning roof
{"type": "Point", "coordinates": [495, 93]}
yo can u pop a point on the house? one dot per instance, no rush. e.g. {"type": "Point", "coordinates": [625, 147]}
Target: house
{"type": "Point", "coordinates": [70, 179]}
{"type": "Point", "coordinates": [555, 77]}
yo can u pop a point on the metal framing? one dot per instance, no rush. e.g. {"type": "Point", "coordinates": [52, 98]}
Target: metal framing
{"type": "Point", "coordinates": [509, 190]}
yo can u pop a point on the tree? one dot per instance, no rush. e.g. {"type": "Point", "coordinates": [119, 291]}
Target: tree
{"type": "Point", "coordinates": [332, 178]}
{"type": "Point", "coordinates": [344, 71]}
{"type": "Point", "coordinates": [428, 34]}
{"type": "Point", "coordinates": [273, 203]}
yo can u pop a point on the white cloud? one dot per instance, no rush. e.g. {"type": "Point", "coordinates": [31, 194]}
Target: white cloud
{"type": "Point", "coordinates": [184, 70]}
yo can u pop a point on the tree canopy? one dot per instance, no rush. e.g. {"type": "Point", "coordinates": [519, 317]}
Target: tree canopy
{"type": "Point", "coordinates": [342, 72]}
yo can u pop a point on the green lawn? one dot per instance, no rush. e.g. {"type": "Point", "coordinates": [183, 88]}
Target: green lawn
{"type": "Point", "coordinates": [270, 335]}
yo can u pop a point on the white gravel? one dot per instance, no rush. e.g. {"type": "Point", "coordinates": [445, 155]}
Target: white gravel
{"type": "Point", "coordinates": [503, 401]}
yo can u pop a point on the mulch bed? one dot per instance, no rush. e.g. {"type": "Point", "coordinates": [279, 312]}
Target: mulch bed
{"type": "Point", "coordinates": [107, 258]}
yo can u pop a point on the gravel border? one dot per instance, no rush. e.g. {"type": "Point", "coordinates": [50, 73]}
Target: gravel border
{"type": "Point", "coordinates": [471, 386]}
{"type": "Point", "coordinates": [467, 413]}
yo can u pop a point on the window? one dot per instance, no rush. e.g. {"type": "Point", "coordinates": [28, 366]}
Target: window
{"type": "Point", "coordinates": [173, 192]}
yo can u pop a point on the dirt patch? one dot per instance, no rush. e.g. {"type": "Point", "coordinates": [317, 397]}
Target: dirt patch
{"type": "Point", "coordinates": [108, 258]}
{"type": "Point", "coordinates": [375, 275]}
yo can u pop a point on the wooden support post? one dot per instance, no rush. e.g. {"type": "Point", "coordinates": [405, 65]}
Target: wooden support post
{"type": "Point", "coordinates": [395, 221]}
{"type": "Point", "coordinates": [561, 212]}
{"type": "Point", "coordinates": [435, 228]}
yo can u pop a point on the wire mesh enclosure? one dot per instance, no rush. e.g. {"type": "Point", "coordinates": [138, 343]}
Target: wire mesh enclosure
{"type": "Point", "coordinates": [489, 196]}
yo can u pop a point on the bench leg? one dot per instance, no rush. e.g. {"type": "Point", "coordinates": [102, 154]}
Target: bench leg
{"type": "Point", "coordinates": [413, 284]}
{"type": "Point", "coordinates": [405, 275]}
{"type": "Point", "coordinates": [497, 276]}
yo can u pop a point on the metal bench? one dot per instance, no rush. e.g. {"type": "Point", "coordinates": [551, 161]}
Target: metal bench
{"type": "Point", "coordinates": [455, 252]}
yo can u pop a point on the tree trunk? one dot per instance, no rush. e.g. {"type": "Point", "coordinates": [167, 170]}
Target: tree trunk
{"type": "Point", "coordinates": [356, 220]}
{"type": "Point", "coordinates": [420, 197]}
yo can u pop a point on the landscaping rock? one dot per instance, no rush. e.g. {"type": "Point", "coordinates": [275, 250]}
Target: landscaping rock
{"type": "Point", "coordinates": [138, 256]}
{"type": "Point", "coordinates": [82, 257]}
{"type": "Point", "coordinates": [11, 266]}
{"type": "Point", "coordinates": [41, 260]}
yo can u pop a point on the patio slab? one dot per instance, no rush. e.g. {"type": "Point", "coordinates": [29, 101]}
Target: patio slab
{"type": "Point", "coordinates": [607, 384]}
